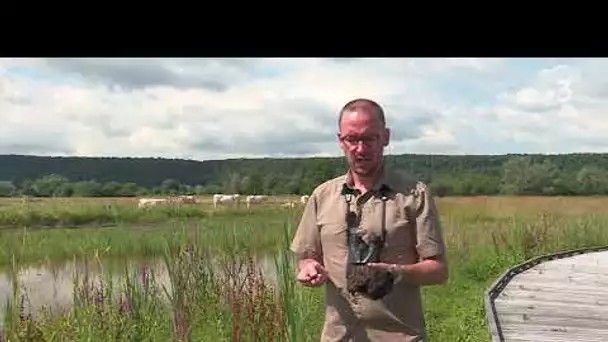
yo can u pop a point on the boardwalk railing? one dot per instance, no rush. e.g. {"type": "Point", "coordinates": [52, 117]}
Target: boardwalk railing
{"type": "Point", "coordinates": [495, 290]}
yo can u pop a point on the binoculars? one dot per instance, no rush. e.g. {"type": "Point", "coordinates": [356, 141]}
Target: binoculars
{"type": "Point", "coordinates": [361, 252]}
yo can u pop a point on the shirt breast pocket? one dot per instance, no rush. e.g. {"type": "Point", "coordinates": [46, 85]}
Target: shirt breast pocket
{"type": "Point", "coordinates": [334, 235]}
{"type": "Point", "coordinates": [400, 244]}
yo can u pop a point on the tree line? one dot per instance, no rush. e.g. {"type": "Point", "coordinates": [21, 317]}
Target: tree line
{"type": "Point", "coordinates": [448, 175]}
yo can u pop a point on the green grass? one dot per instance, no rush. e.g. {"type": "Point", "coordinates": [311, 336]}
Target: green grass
{"type": "Point", "coordinates": [485, 236]}
{"type": "Point", "coordinates": [72, 213]}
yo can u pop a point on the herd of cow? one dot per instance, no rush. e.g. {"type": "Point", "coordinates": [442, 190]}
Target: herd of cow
{"type": "Point", "coordinates": [218, 199]}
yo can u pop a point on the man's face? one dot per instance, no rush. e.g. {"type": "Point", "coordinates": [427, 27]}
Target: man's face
{"type": "Point", "coordinates": [363, 138]}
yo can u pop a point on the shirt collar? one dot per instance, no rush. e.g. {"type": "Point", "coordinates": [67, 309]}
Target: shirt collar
{"type": "Point", "coordinates": [381, 181]}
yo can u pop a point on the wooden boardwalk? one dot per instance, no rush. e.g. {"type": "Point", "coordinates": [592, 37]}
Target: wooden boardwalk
{"type": "Point", "coordinates": [554, 298]}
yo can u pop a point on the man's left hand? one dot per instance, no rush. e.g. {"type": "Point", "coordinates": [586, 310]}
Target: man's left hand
{"type": "Point", "coordinates": [430, 271]}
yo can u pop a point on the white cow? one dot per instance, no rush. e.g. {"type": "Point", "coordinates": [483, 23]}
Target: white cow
{"type": "Point", "coordinates": [184, 200]}
{"type": "Point", "coordinates": [252, 199]}
{"type": "Point", "coordinates": [27, 199]}
{"type": "Point", "coordinates": [304, 199]}
{"type": "Point", "coordinates": [289, 205]}
{"type": "Point", "coordinates": [149, 202]}
{"type": "Point", "coordinates": [221, 199]}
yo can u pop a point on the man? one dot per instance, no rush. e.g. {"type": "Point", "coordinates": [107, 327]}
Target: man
{"type": "Point", "coordinates": [413, 249]}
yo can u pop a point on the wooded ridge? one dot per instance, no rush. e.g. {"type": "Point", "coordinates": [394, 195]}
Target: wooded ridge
{"type": "Point", "coordinates": [512, 174]}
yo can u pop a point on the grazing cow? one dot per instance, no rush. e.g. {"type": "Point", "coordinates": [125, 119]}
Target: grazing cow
{"type": "Point", "coordinates": [27, 199]}
{"type": "Point", "coordinates": [221, 199]}
{"type": "Point", "coordinates": [255, 199]}
{"type": "Point", "coordinates": [289, 205]}
{"type": "Point", "coordinates": [149, 202]}
{"type": "Point", "coordinates": [183, 200]}
{"type": "Point", "coordinates": [304, 199]}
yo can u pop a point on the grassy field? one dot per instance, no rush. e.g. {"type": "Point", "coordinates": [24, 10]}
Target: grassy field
{"type": "Point", "coordinates": [78, 212]}
{"type": "Point", "coordinates": [485, 236]}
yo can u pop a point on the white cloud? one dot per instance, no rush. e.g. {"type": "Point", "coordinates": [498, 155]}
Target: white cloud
{"type": "Point", "coordinates": [227, 108]}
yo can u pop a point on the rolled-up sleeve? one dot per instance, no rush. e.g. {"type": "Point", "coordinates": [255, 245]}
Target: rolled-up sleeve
{"type": "Point", "coordinates": [307, 240]}
{"type": "Point", "coordinates": [430, 240]}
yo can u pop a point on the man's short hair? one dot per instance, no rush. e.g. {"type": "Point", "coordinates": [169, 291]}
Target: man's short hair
{"type": "Point", "coordinates": [367, 105]}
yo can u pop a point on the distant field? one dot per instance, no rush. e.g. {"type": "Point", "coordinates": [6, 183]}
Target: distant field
{"type": "Point", "coordinates": [113, 211]}
{"type": "Point", "coordinates": [122, 200]}
{"type": "Point", "coordinates": [85, 211]}
{"type": "Point", "coordinates": [509, 203]}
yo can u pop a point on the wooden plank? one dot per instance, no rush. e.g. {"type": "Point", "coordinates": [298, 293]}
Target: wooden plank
{"type": "Point", "coordinates": [542, 336]}
{"type": "Point", "coordinates": [554, 301]}
{"type": "Point", "coordinates": [559, 287]}
{"type": "Point", "coordinates": [574, 266]}
{"type": "Point", "coordinates": [549, 295]}
{"type": "Point", "coordinates": [555, 307]}
{"type": "Point", "coordinates": [576, 317]}
{"type": "Point", "coordinates": [562, 275]}
{"type": "Point", "coordinates": [543, 333]}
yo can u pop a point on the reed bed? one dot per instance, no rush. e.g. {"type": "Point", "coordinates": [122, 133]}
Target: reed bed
{"type": "Point", "coordinates": [237, 302]}
{"type": "Point", "coordinates": [199, 303]}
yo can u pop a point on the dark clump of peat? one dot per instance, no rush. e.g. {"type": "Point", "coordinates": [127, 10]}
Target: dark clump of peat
{"type": "Point", "coordinates": [370, 282]}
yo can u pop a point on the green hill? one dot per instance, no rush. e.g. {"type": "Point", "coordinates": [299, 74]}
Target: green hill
{"type": "Point", "coordinates": [565, 174]}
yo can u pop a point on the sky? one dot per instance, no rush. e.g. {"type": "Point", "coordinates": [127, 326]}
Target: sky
{"type": "Point", "coordinates": [250, 108]}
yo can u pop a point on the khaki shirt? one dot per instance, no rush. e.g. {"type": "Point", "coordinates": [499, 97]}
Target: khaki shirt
{"type": "Point", "coordinates": [413, 232]}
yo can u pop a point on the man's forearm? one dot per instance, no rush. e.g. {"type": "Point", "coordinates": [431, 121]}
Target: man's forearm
{"type": "Point", "coordinates": [427, 272]}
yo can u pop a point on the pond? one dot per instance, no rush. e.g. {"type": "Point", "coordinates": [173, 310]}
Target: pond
{"type": "Point", "coordinates": [51, 285]}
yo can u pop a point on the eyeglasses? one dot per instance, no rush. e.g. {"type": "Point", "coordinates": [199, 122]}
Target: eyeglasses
{"type": "Point", "coordinates": [365, 140]}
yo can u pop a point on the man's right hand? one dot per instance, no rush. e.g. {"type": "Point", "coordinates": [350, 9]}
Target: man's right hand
{"type": "Point", "coordinates": [311, 273]}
